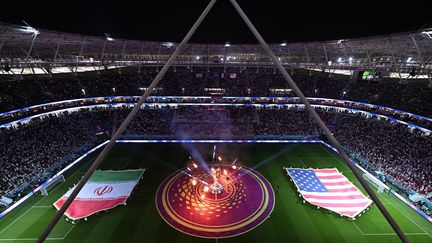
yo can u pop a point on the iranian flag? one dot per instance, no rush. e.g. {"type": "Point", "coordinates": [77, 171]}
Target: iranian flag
{"type": "Point", "coordinates": [104, 190]}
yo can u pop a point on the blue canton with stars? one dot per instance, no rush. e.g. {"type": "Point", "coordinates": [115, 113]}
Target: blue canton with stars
{"type": "Point", "coordinates": [306, 180]}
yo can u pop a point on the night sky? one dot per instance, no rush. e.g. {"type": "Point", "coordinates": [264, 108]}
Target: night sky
{"type": "Point", "coordinates": [169, 20]}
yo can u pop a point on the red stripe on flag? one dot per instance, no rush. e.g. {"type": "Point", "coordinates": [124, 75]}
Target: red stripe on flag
{"type": "Point", "coordinates": [83, 208]}
{"type": "Point", "coordinates": [341, 183]}
{"type": "Point", "coordinates": [330, 177]}
{"type": "Point", "coordinates": [348, 213]}
{"type": "Point", "coordinates": [326, 171]}
{"type": "Point", "coordinates": [351, 189]}
{"type": "Point", "coordinates": [306, 196]}
{"type": "Point", "coordinates": [341, 205]}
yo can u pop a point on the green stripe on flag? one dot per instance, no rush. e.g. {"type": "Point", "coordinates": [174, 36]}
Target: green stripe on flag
{"type": "Point", "coordinates": [116, 176]}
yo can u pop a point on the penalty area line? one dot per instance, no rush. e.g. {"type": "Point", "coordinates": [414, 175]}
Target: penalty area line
{"type": "Point", "coordinates": [378, 234]}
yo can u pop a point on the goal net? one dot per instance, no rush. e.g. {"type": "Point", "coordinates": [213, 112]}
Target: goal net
{"type": "Point", "coordinates": [379, 185]}
{"type": "Point", "coordinates": [51, 184]}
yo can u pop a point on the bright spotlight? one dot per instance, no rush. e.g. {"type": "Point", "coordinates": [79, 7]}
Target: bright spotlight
{"type": "Point", "coordinates": [168, 44]}
{"type": "Point", "coordinates": [227, 44]}
{"type": "Point", "coordinates": [284, 43]}
{"type": "Point", "coordinates": [194, 182]}
{"type": "Point", "coordinates": [219, 158]}
{"type": "Point", "coordinates": [195, 165]}
{"type": "Point", "coordinates": [234, 167]}
{"type": "Point", "coordinates": [427, 33]}
{"type": "Point", "coordinates": [339, 59]}
{"type": "Point", "coordinates": [409, 59]}
{"type": "Point", "coordinates": [206, 189]}
{"type": "Point", "coordinates": [28, 29]}
{"type": "Point", "coordinates": [225, 172]}
{"type": "Point", "coordinates": [108, 37]}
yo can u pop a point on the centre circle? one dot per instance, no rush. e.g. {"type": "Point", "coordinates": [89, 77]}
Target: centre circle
{"type": "Point", "coordinates": [215, 202]}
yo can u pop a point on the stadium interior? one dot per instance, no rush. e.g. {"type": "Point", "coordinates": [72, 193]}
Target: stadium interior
{"type": "Point", "coordinates": [218, 148]}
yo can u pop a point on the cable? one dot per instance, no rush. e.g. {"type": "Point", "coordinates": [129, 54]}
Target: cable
{"type": "Point", "coordinates": [320, 123]}
{"type": "Point", "coordinates": [123, 126]}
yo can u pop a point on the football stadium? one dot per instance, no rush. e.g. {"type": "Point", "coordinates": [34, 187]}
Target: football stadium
{"type": "Point", "coordinates": [111, 138]}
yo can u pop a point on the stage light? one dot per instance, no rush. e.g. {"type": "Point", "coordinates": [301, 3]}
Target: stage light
{"type": "Point", "coordinates": [219, 158]}
{"type": "Point", "coordinates": [197, 57]}
{"type": "Point", "coordinates": [194, 182]}
{"type": "Point", "coordinates": [227, 44]}
{"type": "Point", "coordinates": [202, 196]}
{"type": "Point", "coordinates": [234, 167]}
{"type": "Point", "coordinates": [409, 60]}
{"type": "Point", "coordinates": [284, 43]}
{"type": "Point", "coordinates": [339, 59]}
{"type": "Point", "coordinates": [206, 189]}
{"type": "Point", "coordinates": [195, 165]}
{"type": "Point", "coordinates": [225, 172]}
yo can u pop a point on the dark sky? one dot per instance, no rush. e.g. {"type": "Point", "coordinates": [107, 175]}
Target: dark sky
{"type": "Point", "coordinates": [169, 20]}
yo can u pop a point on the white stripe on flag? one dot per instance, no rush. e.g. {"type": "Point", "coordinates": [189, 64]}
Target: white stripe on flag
{"type": "Point", "coordinates": [327, 174]}
{"type": "Point", "coordinates": [345, 209]}
{"type": "Point", "coordinates": [340, 187]}
{"type": "Point", "coordinates": [332, 180]}
{"type": "Point", "coordinates": [104, 190]}
{"type": "Point", "coordinates": [338, 201]}
{"type": "Point", "coordinates": [340, 194]}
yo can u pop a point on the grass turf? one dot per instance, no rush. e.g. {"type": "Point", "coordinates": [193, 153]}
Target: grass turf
{"type": "Point", "coordinates": [139, 221]}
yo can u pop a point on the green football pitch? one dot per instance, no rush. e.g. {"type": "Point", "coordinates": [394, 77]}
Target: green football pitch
{"type": "Point", "coordinates": [139, 221]}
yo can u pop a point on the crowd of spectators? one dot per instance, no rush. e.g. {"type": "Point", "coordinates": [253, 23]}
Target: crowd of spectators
{"type": "Point", "coordinates": [415, 98]}
{"type": "Point", "coordinates": [393, 149]}
{"type": "Point", "coordinates": [28, 150]}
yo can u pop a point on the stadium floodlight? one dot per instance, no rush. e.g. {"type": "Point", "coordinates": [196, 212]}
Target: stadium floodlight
{"type": "Point", "coordinates": [168, 44]}
{"type": "Point", "coordinates": [28, 29]}
{"type": "Point", "coordinates": [284, 43]}
{"type": "Point", "coordinates": [339, 42]}
{"type": "Point", "coordinates": [427, 33]}
{"type": "Point", "coordinates": [108, 37]}
{"type": "Point", "coordinates": [227, 44]}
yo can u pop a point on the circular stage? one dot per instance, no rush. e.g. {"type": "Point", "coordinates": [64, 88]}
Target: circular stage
{"type": "Point", "coordinates": [186, 202]}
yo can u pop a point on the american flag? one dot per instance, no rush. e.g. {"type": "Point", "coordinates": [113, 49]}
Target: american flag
{"type": "Point", "coordinates": [328, 188]}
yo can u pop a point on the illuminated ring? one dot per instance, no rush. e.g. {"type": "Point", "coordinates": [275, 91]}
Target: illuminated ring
{"type": "Point", "coordinates": [190, 210]}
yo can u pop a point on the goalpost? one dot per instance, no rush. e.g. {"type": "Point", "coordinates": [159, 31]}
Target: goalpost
{"type": "Point", "coordinates": [381, 187]}
{"type": "Point", "coordinates": [44, 190]}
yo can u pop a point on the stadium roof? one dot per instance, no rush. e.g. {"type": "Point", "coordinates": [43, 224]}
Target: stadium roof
{"type": "Point", "coordinates": [26, 47]}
